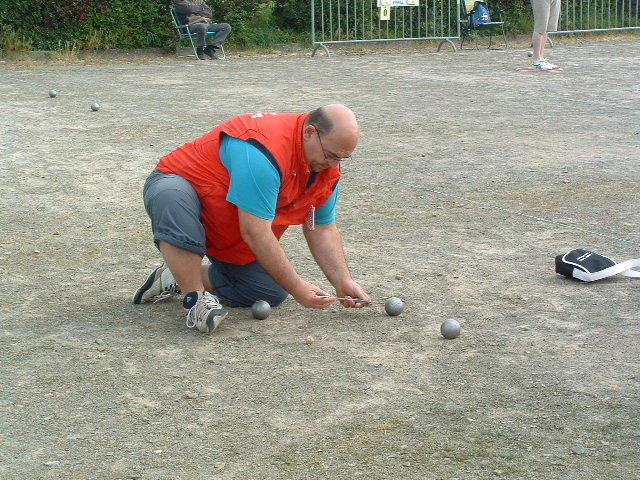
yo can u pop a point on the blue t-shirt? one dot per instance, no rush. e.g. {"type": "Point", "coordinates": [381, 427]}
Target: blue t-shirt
{"type": "Point", "coordinates": [255, 182]}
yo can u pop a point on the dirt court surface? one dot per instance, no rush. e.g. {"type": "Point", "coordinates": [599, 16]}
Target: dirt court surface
{"type": "Point", "coordinates": [543, 383]}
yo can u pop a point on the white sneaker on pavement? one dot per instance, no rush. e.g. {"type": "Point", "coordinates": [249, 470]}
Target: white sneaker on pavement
{"type": "Point", "coordinates": [204, 311]}
{"type": "Point", "coordinates": [159, 285]}
{"type": "Point", "coordinates": [543, 64]}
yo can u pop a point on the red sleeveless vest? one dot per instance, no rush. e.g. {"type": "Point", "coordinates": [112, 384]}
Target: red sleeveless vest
{"type": "Point", "coordinates": [279, 136]}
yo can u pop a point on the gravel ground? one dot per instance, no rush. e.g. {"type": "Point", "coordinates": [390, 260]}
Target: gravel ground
{"type": "Point", "coordinates": [541, 384]}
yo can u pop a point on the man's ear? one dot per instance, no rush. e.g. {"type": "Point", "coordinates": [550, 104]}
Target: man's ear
{"type": "Point", "coordinates": [308, 131]}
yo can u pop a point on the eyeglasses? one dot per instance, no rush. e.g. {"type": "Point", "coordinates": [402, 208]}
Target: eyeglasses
{"type": "Point", "coordinates": [330, 156]}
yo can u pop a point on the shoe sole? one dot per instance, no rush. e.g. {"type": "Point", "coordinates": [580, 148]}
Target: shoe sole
{"type": "Point", "coordinates": [214, 319]}
{"type": "Point", "coordinates": [137, 297]}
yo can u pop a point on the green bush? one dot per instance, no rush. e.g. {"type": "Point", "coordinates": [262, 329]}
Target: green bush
{"type": "Point", "coordinates": [96, 24]}
{"type": "Point", "coordinates": [517, 13]}
{"type": "Point", "coordinates": [258, 30]}
{"type": "Point", "coordinates": [92, 24]}
{"type": "Point", "coordinates": [99, 23]}
{"type": "Point", "coordinates": [293, 15]}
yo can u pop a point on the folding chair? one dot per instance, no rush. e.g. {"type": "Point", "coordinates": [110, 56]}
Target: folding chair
{"type": "Point", "coordinates": [468, 29]}
{"type": "Point", "coordinates": [185, 34]}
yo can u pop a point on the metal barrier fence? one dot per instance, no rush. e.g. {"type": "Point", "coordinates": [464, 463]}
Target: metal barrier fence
{"type": "Point", "coordinates": [598, 16]}
{"type": "Point", "coordinates": [353, 21]}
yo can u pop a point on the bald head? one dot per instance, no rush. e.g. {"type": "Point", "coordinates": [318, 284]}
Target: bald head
{"type": "Point", "coordinates": [337, 127]}
{"type": "Point", "coordinates": [335, 116]}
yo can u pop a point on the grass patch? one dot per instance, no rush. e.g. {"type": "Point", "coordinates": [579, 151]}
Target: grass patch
{"type": "Point", "coordinates": [12, 41]}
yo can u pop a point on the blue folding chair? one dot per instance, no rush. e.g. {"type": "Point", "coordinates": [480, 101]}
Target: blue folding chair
{"type": "Point", "coordinates": [469, 30]}
{"type": "Point", "coordinates": [185, 34]}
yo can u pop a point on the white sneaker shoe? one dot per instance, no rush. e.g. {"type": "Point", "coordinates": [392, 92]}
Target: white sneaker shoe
{"type": "Point", "coordinates": [204, 311]}
{"type": "Point", "coordinates": [159, 285]}
{"type": "Point", "coordinates": [543, 65]}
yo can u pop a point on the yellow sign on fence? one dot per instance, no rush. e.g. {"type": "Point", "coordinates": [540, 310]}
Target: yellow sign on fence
{"type": "Point", "coordinates": [385, 10]}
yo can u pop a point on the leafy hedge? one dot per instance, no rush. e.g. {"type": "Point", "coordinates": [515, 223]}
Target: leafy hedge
{"type": "Point", "coordinates": [91, 24]}
{"type": "Point", "coordinates": [117, 23]}
{"type": "Point", "coordinates": [294, 15]}
{"type": "Point", "coordinates": [95, 24]}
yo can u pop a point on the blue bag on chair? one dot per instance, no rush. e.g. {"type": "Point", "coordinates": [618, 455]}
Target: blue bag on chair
{"type": "Point", "coordinates": [480, 14]}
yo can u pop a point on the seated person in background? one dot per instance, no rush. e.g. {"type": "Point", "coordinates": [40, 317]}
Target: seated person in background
{"type": "Point", "coordinates": [197, 16]}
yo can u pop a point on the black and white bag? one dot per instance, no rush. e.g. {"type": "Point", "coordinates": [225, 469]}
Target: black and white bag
{"type": "Point", "coordinates": [590, 266]}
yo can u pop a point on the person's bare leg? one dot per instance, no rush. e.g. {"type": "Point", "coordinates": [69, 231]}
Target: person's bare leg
{"type": "Point", "coordinates": [538, 41]}
{"type": "Point", "coordinates": [185, 267]}
{"type": "Point", "coordinates": [204, 270]}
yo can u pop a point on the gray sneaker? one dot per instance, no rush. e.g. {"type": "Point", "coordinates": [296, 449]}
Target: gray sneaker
{"type": "Point", "coordinates": [159, 285]}
{"type": "Point", "coordinates": [204, 311]}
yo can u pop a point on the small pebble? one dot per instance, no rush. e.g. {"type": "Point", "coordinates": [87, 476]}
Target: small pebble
{"type": "Point", "coordinates": [53, 93]}
{"type": "Point", "coordinates": [190, 395]}
{"type": "Point", "coordinates": [95, 107]}
{"type": "Point", "coordinates": [579, 450]}
{"type": "Point", "coordinates": [309, 339]}
{"type": "Point", "coordinates": [52, 463]}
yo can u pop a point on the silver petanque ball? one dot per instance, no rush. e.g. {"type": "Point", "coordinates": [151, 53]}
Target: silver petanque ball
{"type": "Point", "coordinates": [530, 53]}
{"type": "Point", "coordinates": [450, 328]}
{"type": "Point", "coordinates": [260, 310]}
{"type": "Point", "coordinates": [393, 306]}
{"type": "Point", "coordinates": [95, 107]}
{"type": "Point", "coordinates": [53, 93]}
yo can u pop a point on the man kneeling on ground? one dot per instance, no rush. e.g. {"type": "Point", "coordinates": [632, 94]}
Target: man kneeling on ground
{"type": "Point", "coordinates": [231, 194]}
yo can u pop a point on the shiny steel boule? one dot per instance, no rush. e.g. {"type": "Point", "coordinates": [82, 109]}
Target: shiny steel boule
{"type": "Point", "coordinates": [450, 329]}
{"type": "Point", "coordinates": [393, 306]}
{"type": "Point", "coordinates": [260, 310]}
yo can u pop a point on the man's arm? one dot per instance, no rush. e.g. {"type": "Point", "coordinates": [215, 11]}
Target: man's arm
{"type": "Point", "coordinates": [325, 243]}
{"type": "Point", "coordinates": [257, 233]}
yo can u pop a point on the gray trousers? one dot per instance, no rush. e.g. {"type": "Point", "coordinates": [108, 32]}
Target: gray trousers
{"type": "Point", "coordinates": [175, 211]}
{"type": "Point", "coordinates": [222, 32]}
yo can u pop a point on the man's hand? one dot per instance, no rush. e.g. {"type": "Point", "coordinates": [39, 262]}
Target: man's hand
{"type": "Point", "coordinates": [325, 243]}
{"type": "Point", "coordinates": [310, 296]}
{"type": "Point", "coordinates": [257, 233]}
{"type": "Point", "coordinates": [351, 289]}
